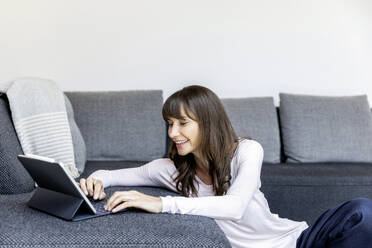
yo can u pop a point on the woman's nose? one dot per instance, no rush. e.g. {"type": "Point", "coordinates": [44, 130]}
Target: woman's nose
{"type": "Point", "coordinates": [173, 131]}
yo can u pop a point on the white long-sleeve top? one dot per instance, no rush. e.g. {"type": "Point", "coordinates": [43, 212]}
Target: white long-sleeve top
{"type": "Point", "coordinates": [243, 213]}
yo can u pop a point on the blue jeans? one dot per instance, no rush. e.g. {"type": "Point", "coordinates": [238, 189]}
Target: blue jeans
{"type": "Point", "coordinates": [348, 225]}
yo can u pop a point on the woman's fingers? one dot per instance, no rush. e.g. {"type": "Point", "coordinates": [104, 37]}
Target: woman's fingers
{"type": "Point", "coordinates": [123, 206]}
{"type": "Point", "coordinates": [114, 200]}
{"type": "Point", "coordinates": [117, 198]}
{"type": "Point", "coordinates": [124, 199]}
{"type": "Point", "coordinates": [102, 196]}
{"type": "Point", "coordinates": [98, 188]}
{"type": "Point", "coordinates": [90, 186]}
{"type": "Point", "coordinates": [83, 186]}
{"type": "Point", "coordinates": [111, 200]}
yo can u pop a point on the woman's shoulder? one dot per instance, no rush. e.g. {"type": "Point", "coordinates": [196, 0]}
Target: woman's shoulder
{"type": "Point", "coordinates": [249, 154]}
{"type": "Point", "coordinates": [161, 171]}
{"type": "Point", "coordinates": [161, 162]}
{"type": "Point", "coordinates": [248, 147]}
{"type": "Point", "coordinates": [161, 165]}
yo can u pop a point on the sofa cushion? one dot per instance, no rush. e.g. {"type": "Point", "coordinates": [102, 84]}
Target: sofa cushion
{"type": "Point", "coordinates": [326, 129]}
{"type": "Point", "coordinates": [123, 125]}
{"type": "Point", "coordinates": [22, 226]}
{"type": "Point", "coordinates": [80, 151]}
{"type": "Point", "coordinates": [14, 178]}
{"type": "Point", "coordinates": [256, 117]}
{"type": "Point", "coordinates": [304, 191]}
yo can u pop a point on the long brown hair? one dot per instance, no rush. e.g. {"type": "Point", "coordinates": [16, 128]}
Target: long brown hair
{"type": "Point", "coordinates": [218, 138]}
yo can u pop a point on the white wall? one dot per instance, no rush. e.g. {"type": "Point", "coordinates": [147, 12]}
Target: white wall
{"type": "Point", "coordinates": [237, 48]}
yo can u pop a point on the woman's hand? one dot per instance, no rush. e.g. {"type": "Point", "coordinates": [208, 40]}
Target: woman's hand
{"type": "Point", "coordinates": [92, 187]}
{"type": "Point", "coordinates": [125, 199]}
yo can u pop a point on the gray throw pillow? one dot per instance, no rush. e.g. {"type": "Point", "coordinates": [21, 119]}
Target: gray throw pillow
{"type": "Point", "coordinates": [256, 117]}
{"type": "Point", "coordinates": [80, 151]}
{"type": "Point", "coordinates": [121, 125]}
{"type": "Point", "coordinates": [14, 179]}
{"type": "Point", "coordinates": [326, 128]}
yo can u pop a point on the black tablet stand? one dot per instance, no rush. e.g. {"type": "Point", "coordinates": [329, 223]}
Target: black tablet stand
{"type": "Point", "coordinates": [56, 203]}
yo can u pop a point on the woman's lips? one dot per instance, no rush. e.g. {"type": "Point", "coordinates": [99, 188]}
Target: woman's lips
{"type": "Point", "coordinates": [181, 144]}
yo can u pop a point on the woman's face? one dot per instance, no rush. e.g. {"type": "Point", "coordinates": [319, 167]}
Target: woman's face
{"type": "Point", "coordinates": [185, 134]}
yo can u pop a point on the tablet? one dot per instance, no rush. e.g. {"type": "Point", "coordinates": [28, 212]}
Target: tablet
{"type": "Point", "coordinates": [51, 175]}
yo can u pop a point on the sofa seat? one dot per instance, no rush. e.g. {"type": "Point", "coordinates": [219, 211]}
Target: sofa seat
{"type": "Point", "coordinates": [315, 186]}
{"type": "Point", "coordinates": [22, 226]}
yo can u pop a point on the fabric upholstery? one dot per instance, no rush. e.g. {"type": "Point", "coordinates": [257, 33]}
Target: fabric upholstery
{"type": "Point", "coordinates": [125, 125]}
{"type": "Point", "coordinates": [326, 129]}
{"type": "Point", "coordinates": [14, 178]}
{"type": "Point", "coordinates": [256, 117]}
{"type": "Point", "coordinates": [80, 151]}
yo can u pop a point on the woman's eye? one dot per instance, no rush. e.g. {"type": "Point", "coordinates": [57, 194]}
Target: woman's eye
{"type": "Point", "coordinates": [170, 124]}
{"type": "Point", "coordinates": [183, 123]}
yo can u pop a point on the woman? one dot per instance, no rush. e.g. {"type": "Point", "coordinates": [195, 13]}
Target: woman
{"type": "Point", "coordinates": [219, 177]}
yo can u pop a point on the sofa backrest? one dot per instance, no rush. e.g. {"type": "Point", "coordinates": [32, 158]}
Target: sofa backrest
{"type": "Point", "coordinates": [121, 125]}
{"type": "Point", "coordinates": [127, 125]}
{"type": "Point", "coordinates": [257, 118]}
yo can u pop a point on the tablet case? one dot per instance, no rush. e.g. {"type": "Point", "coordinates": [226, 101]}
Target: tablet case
{"type": "Point", "coordinates": [56, 203]}
{"type": "Point", "coordinates": [57, 196]}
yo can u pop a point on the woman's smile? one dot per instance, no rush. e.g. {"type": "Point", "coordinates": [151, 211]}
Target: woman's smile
{"type": "Point", "coordinates": [184, 133]}
{"type": "Point", "coordinates": [180, 143]}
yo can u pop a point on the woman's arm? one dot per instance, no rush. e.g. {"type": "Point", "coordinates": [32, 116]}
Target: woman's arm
{"type": "Point", "coordinates": [232, 205]}
{"type": "Point", "coordinates": [154, 173]}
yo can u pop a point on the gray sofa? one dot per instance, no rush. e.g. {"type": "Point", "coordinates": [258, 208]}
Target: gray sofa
{"type": "Point", "coordinates": [125, 129]}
